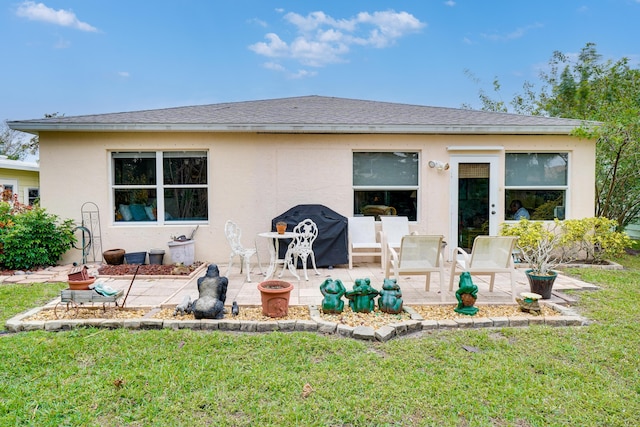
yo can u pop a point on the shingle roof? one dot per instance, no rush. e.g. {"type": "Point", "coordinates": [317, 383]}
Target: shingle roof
{"type": "Point", "coordinates": [306, 114]}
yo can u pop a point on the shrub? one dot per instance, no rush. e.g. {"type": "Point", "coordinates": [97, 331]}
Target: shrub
{"type": "Point", "coordinates": [539, 243]}
{"type": "Point", "coordinates": [30, 237]}
{"type": "Point", "coordinates": [595, 239]}
{"type": "Point", "coordinates": [545, 245]}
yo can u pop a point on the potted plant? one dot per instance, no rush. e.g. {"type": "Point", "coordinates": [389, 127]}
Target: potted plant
{"type": "Point", "coordinates": [540, 246]}
{"type": "Point", "coordinates": [275, 297]}
{"type": "Point", "coordinates": [281, 227]}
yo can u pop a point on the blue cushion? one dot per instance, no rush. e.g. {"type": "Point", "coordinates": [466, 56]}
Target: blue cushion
{"type": "Point", "coordinates": [125, 211]}
{"type": "Point", "coordinates": [138, 213]}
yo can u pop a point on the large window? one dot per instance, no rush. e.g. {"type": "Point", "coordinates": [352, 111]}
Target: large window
{"type": "Point", "coordinates": [156, 186]}
{"type": "Point", "coordinates": [385, 183]}
{"type": "Point", "coordinates": [537, 181]}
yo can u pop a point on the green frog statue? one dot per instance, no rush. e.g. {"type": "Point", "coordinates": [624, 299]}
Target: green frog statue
{"type": "Point", "coordinates": [466, 295]}
{"type": "Point", "coordinates": [390, 300]}
{"type": "Point", "coordinates": [332, 290]}
{"type": "Point", "coordinates": [361, 297]}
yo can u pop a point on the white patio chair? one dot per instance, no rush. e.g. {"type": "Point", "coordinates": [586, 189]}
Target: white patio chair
{"type": "Point", "coordinates": [362, 239]}
{"type": "Point", "coordinates": [391, 233]}
{"type": "Point", "coordinates": [489, 255]}
{"type": "Point", "coordinates": [301, 247]}
{"type": "Point", "coordinates": [419, 254]}
{"type": "Point", "coordinates": [234, 233]}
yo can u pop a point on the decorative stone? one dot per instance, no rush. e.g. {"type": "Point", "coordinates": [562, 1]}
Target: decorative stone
{"type": "Point", "coordinates": [500, 322]}
{"type": "Point", "coordinates": [325, 327]}
{"type": "Point", "coordinates": [306, 326]}
{"type": "Point", "coordinates": [248, 326]}
{"type": "Point", "coordinates": [528, 302]}
{"type": "Point", "coordinates": [345, 331]}
{"type": "Point", "coordinates": [429, 324]}
{"type": "Point", "coordinates": [518, 321]}
{"type": "Point", "coordinates": [364, 333]}
{"type": "Point", "coordinates": [287, 325]}
{"type": "Point", "coordinates": [385, 333]}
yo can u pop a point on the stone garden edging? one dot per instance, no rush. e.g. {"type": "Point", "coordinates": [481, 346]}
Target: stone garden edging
{"type": "Point", "coordinates": [566, 317]}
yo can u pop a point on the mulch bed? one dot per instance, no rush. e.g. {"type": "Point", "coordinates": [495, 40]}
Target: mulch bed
{"type": "Point", "coordinates": [147, 270]}
{"type": "Point", "coordinates": [376, 319]}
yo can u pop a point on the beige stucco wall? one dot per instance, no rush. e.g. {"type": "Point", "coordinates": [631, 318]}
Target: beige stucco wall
{"type": "Point", "coordinates": [255, 177]}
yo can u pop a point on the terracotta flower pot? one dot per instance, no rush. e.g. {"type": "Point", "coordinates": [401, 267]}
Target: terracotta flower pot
{"type": "Point", "coordinates": [281, 227]}
{"type": "Point", "coordinates": [81, 285]}
{"type": "Point", "coordinates": [114, 256]}
{"type": "Point", "coordinates": [275, 297]}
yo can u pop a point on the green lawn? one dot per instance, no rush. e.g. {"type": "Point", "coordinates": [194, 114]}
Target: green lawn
{"type": "Point", "coordinates": [535, 376]}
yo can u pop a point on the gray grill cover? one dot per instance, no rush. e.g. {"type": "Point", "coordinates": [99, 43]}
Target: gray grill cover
{"type": "Point", "coordinates": [330, 247]}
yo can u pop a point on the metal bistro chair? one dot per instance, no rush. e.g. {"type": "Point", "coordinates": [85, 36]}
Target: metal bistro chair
{"type": "Point", "coordinates": [234, 233]}
{"type": "Point", "coordinates": [301, 247]}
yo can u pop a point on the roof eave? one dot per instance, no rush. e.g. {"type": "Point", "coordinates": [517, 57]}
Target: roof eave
{"type": "Point", "coordinates": [35, 128]}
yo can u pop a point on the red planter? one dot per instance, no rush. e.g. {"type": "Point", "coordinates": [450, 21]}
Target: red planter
{"type": "Point", "coordinates": [275, 297]}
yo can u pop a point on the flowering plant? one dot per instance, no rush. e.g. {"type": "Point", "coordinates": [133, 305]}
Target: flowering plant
{"type": "Point", "coordinates": [539, 245]}
{"type": "Point", "coordinates": [544, 245]}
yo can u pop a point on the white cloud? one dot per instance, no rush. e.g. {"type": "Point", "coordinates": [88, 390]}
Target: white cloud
{"type": "Point", "coordinates": [124, 74]}
{"type": "Point", "coordinates": [273, 66]}
{"type": "Point", "coordinates": [450, 3]}
{"type": "Point", "coordinates": [302, 73]}
{"type": "Point", "coordinates": [257, 21]}
{"type": "Point", "coordinates": [323, 40]}
{"type": "Point", "coordinates": [61, 44]}
{"type": "Point", "coordinates": [40, 12]}
{"type": "Point", "coordinates": [515, 34]}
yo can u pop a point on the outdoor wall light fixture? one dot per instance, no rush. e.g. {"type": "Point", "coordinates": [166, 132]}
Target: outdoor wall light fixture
{"type": "Point", "coordinates": [441, 166]}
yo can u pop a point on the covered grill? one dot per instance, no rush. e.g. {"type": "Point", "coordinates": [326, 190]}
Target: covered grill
{"type": "Point", "coordinates": [330, 247]}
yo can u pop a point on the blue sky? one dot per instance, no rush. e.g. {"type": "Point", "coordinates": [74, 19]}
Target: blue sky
{"type": "Point", "coordinates": [79, 57]}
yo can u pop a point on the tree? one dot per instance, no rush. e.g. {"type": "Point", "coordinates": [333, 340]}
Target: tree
{"type": "Point", "coordinates": [14, 145]}
{"type": "Point", "coordinates": [607, 92]}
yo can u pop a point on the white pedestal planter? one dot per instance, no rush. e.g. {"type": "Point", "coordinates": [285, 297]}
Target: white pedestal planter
{"type": "Point", "coordinates": [182, 252]}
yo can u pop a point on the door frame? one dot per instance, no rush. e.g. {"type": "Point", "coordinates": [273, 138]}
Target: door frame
{"type": "Point", "coordinates": [494, 162]}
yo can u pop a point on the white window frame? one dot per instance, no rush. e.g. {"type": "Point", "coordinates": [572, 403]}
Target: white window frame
{"type": "Point", "coordinates": [159, 187]}
{"type": "Point", "coordinates": [415, 188]}
{"type": "Point", "coordinates": [566, 188]}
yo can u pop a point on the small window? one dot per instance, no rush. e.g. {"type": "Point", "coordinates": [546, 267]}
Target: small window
{"type": "Point", "coordinates": [160, 186]}
{"type": "Point", "coordinates": [537, 183]}
{"type": "Point", "coordinates": [386, 183]}
{"type": "Point", "coordinates": [33, 196]}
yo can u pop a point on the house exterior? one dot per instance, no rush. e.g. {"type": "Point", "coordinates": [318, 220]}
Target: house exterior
{"type": "Point", "coordinates": [160, 173]}
{"type": "Point", "coordinates": [20, 178]}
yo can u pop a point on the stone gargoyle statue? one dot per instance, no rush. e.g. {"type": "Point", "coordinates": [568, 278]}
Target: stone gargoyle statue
{"type": "Point", "coordinates": [213, 293]}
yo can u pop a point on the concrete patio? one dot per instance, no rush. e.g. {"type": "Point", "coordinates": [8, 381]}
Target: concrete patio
{"type": "Point", "coordinates": [146, 291]}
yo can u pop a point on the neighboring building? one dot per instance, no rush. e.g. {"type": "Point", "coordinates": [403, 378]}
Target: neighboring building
{"type": "Point", "coordinates": [158, 173]}
{"type": "Point", "coordinates": [633, 229]}
{"type": "Point", "coordinates": [21, 178]}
